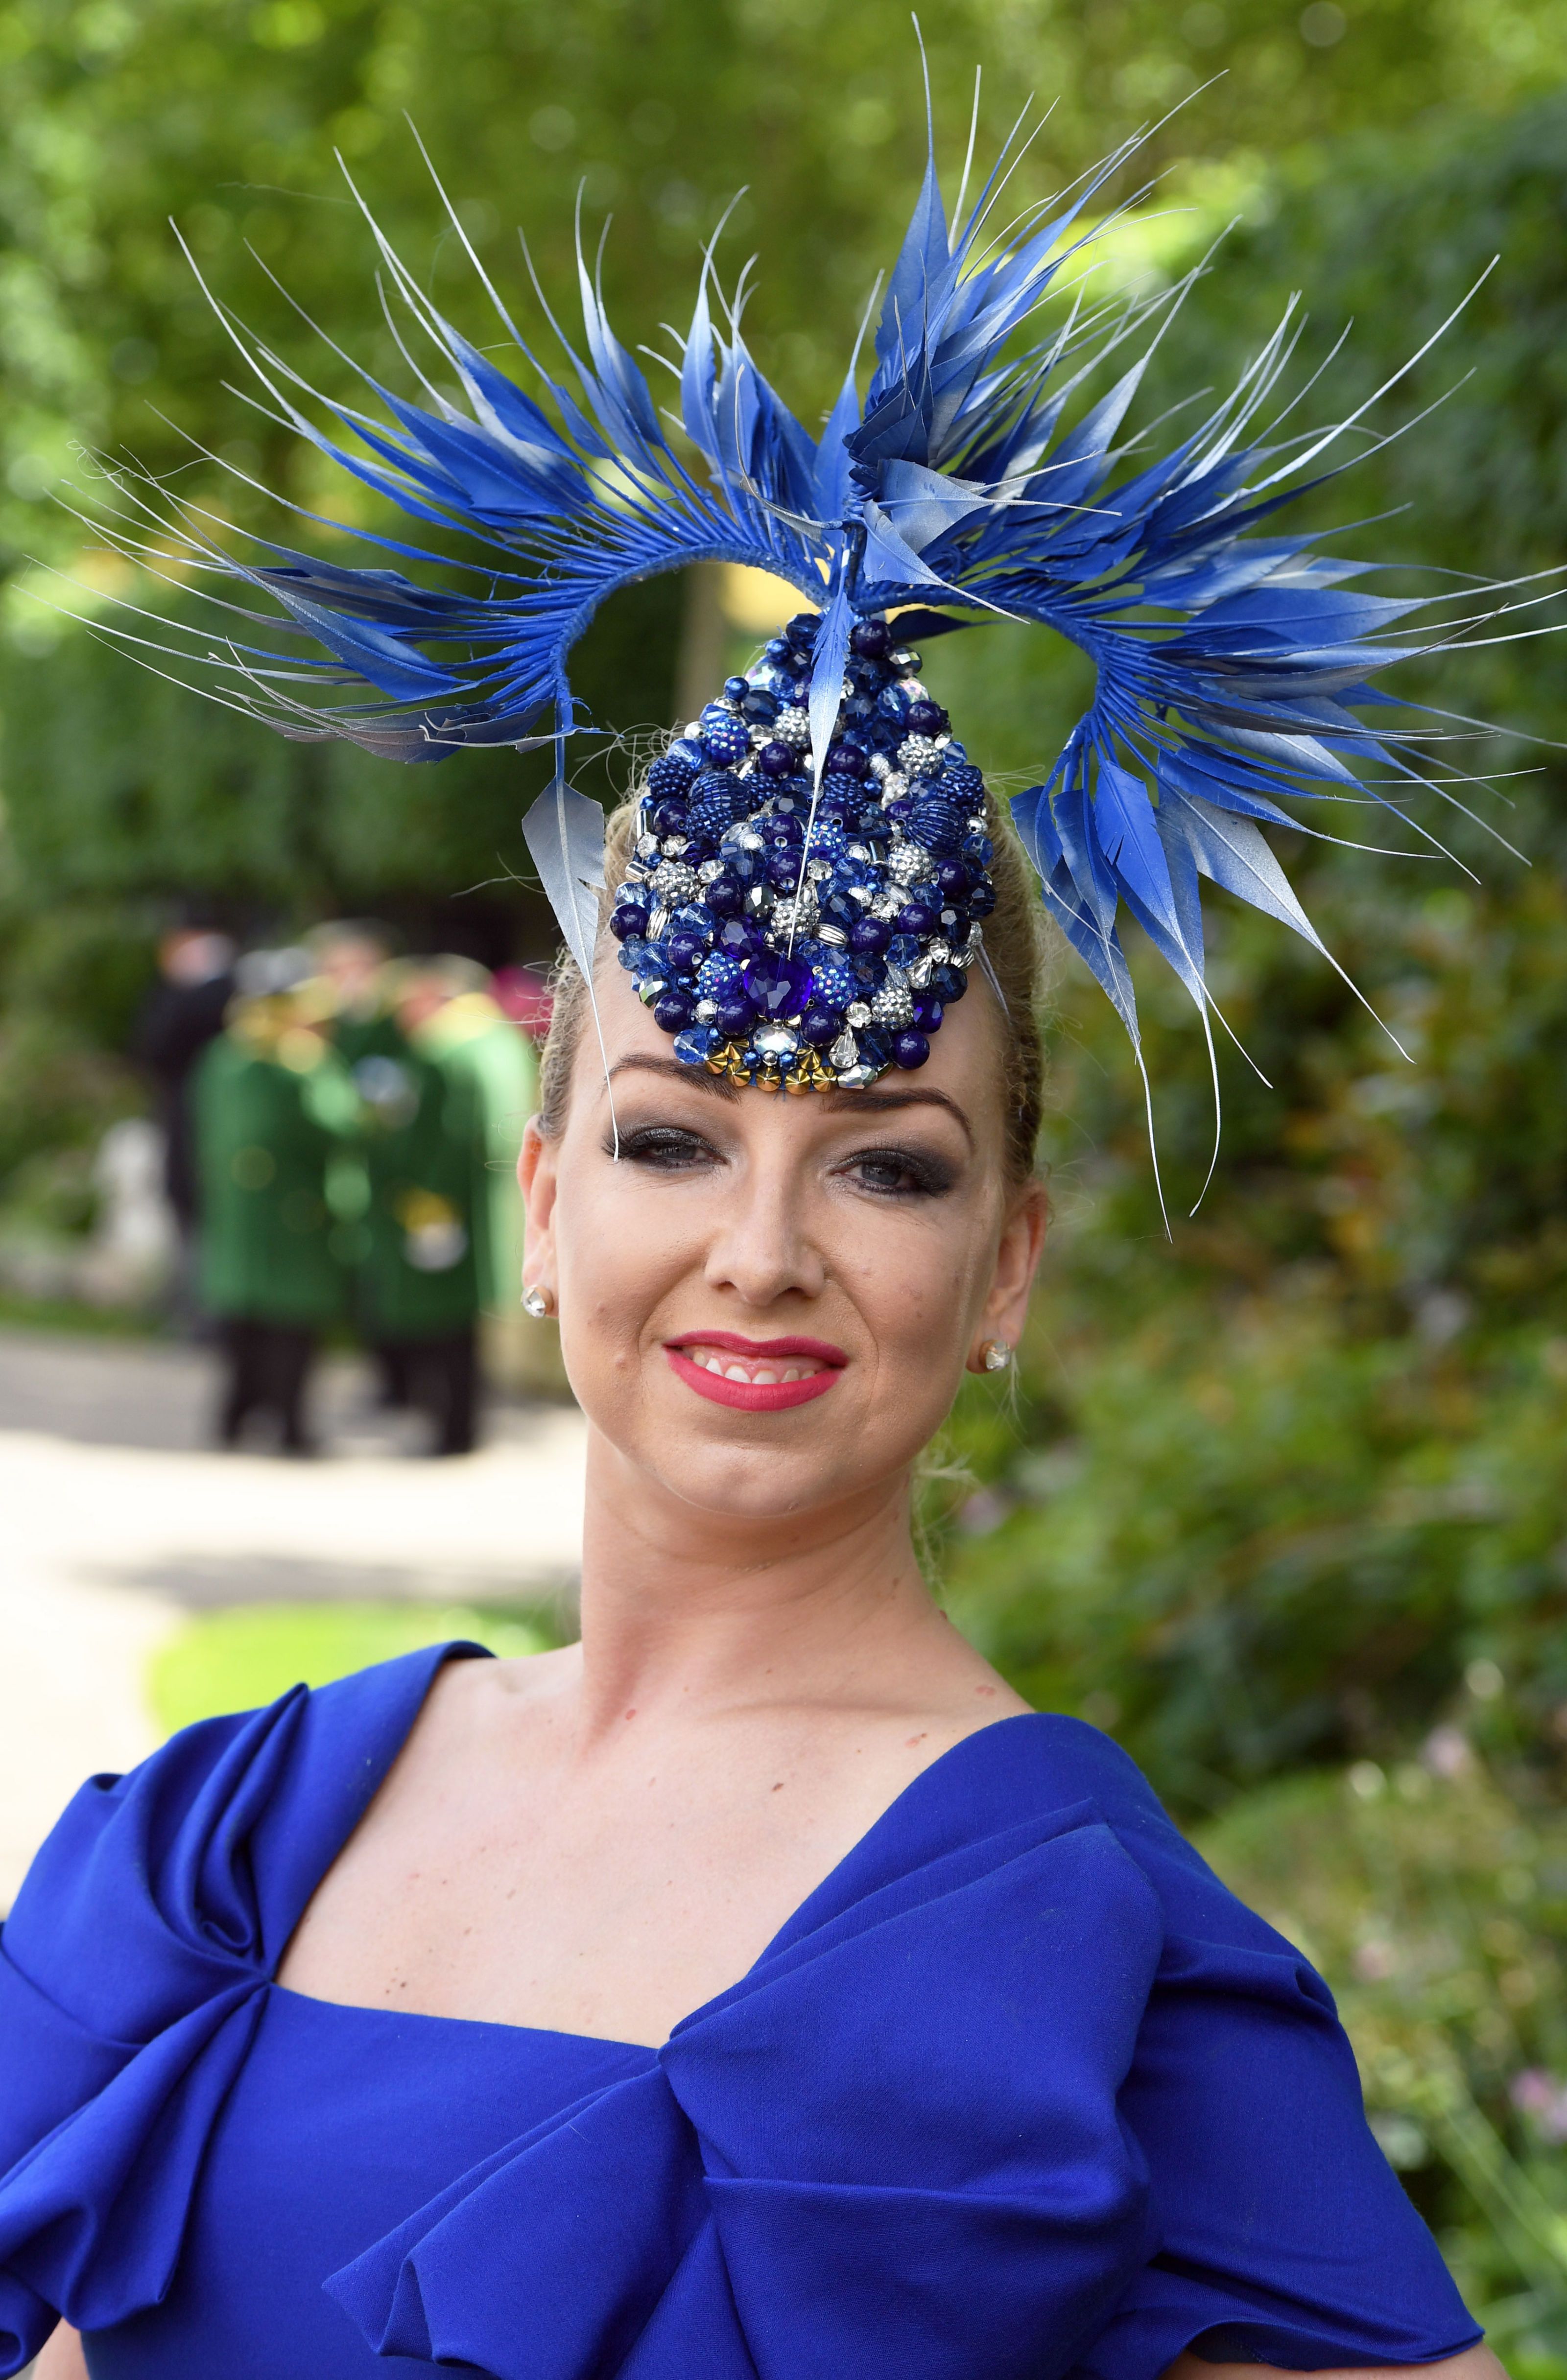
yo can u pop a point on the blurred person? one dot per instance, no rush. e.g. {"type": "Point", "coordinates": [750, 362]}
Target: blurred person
{"type": "Point", "coordinates": [417, 1287]}
{"type": "Point", "coordinates": [182, 1014]}
{"type": "Point", "coordinates": [273, 1107]}
{"type": "Point", "coordinates": [351, 955]}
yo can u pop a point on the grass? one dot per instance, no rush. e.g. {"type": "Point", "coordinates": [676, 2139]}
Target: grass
{"type": "Point", "coordinates": [250, 1654]}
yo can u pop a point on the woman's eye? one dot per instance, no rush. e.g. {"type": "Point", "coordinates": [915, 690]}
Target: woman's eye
{"type": "Point", "coordinates": [900, 1172]}
{"type": "Point", "coordinates": [665, 1147]}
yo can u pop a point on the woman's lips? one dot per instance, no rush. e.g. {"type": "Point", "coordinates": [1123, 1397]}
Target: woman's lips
{"type": "Point", "coordinates": [754, 1375]}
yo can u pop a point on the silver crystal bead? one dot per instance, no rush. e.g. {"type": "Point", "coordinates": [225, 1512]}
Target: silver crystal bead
{"type": "Point", "coordinates": [854, 1079]}
{"type": "Point", "coordinates": [673, 846]}
{"type": "Point", "coordinates": [895, 785]}
{"type": "Point", "coordinates": [910, 863]}
{"type": "Point", "coordinates": [760, 736]}
{"type": "Point", "coordinates": [893, 1006]}
{"type": "Point", "coordinates": [843, 1052]}
{"type": "Point", "coordinates": [920, 972]}
{"type": "Point", "coordinates": [857, 1013]}
{"type": "Point", "coordinates": [759, 899]}
{"type": "Point", "coordinates": [887, 907]}
{"type": "Point", "coordinates": [674, 882]}
{"type": "Point", "coordinates": [902, 658]}
{"type": "Point", "coordinates": [748, 839]}
{"type": "Point", "coordinates": [777, 1042]}
{"type": "Point", "coordinates": [710, 870]}
{"type": "Point", "coordinates": [879, 765]}
{"type": "Point", "coordinates": [818, 870]}
{"type": "Point", "coordinates": [706, 1011]}
{"type": "Point", "coordinates": [863, 893]}
{"type": "Point", "coordinates": [791, 727]}
{"type": "Point", "coordinates": [917, 756]}
{"type": "Point", "coordinates": [648, 848]}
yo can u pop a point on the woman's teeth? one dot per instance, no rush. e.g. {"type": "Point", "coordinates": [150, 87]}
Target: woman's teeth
{"type": "Point", "coordinates": [757, 1376]}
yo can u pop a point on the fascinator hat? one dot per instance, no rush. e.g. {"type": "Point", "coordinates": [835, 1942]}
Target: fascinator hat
{"type": "Point", "coordinates": [809, 879]}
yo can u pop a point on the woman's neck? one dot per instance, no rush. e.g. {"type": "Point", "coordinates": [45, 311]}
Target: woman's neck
{"type": "Point", "coordinates": [689, 1611]}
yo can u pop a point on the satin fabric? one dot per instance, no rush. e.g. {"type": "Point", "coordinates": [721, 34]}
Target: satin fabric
{"type": "Point", "coordinates": [1021, 2091]}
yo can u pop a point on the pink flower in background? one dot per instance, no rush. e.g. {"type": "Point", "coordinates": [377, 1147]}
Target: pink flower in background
{"type": "Point", "coordinates": [1534, 2092]}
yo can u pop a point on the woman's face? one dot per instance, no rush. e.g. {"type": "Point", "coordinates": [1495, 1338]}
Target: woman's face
{"type": "Point", "coordinates": [767, 1302]}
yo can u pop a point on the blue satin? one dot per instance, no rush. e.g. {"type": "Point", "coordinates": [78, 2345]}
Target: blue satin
{"type": "Point", "coordinates": [1020, 2092]}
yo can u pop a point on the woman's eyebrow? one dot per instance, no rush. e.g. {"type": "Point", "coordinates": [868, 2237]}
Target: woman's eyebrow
{"type": "Point", "coordinates": [696, 1078]}
{"type": "Point", "coordinates": [879, 1101]}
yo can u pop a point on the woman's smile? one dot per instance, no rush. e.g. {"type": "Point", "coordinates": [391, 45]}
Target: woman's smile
{"type": "Point", "coordinates": [757, 1375]}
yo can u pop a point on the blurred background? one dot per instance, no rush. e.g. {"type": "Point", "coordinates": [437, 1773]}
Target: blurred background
{"type": "Point", "coordinates": [1280, 1501]}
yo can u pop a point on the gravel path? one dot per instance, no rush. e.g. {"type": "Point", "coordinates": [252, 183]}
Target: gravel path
{"type": "Point", "coordinates": [118, 1521]}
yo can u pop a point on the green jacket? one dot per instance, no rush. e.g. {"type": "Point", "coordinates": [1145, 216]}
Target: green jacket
{"type": "Point", "coordinates": [417, 1272]}
{"type": "Point", "coordinates": [489, 1065]}
{"type": "Point", "coordinates": [268, 1133]}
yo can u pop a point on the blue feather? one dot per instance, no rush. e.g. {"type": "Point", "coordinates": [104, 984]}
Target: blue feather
{"type": "Point", "coordinates": [980, 474]}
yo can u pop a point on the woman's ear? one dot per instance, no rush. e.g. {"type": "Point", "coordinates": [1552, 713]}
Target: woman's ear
{"type": "Point", "coordinates": [538, 1181]}
{"type": "Point", "coordinates": [1018, 1260]}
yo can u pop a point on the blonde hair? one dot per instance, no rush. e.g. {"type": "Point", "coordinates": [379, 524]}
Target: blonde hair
{"type": "Point", "coordinates": [1014, 944]}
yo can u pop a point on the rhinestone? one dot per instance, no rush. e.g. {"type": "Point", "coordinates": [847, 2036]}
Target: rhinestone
{"type": "Point", "coordinates": [777, 1041]}
{"type": "Point", "coordinates": [674, 882]}
{"type": "Point", "coordinates": [862, 894]}
{"type": "Point", "coordinates": [706, 1011]}
{"type": "Point", "coordinates": [748, 839]}
{"type": "Point", "coordinates": [792, 726]}
{"type": "Point", "coordinates": [818, 870]}
{"type": "Point", "coordinates": [894, 787]}
{"type": "Point", "coordinates": [879, 765]}
{"type": "Point", "coordinates": [910, 863]}
{"type": "Point", "coordinates": [675, 847]}
{"type": "Point", "coordinates": [760, 736]}
{"type": "Point", "coordinates": [855, 1078]}
{"type": "Point", "coordinates": [893, 1006]}
{"type": "Point", "coordinates": [843, 1052]}
{"type": "Point", "coordinates": [917, 757]}
{"type": "Point", "coordinates": [857, 1013]}
{"type": "Point", "coordinates": [710, 870]}
{"type": "Point", "coordinates": [920, 973]}
{"type": "Point", "coordinates": [887, 906]}
{"type": "Point", "coordinates": [648, 848]}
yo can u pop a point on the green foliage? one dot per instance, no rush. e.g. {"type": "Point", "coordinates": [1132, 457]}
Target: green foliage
{"type": "Point", "coordinates": [1286, 1472]}
{"type": "Point", "coordinates": [248, 1655]}
{"type": "Point", "coordinates": [1436, 1905]}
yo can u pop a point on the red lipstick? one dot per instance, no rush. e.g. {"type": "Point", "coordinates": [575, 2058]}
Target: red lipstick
{"type": "Point", "coordinates": [755, 1396]}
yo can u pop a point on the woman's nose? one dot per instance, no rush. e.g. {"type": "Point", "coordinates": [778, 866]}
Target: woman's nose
{"type": "Point", "coordinates": [763, 1247]}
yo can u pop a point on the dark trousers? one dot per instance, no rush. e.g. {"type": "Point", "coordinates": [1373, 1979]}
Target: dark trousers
{"type": "Point", "coordinates": [269, 1367]}
{"type": "Point", "coordinates": [440, 1376]}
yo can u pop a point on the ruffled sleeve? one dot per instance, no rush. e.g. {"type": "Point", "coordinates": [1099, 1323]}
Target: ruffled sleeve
{"type": "Point", "coordinates": [1284, 2235]}
{"type": "Point", "coordinates": [131, 1978]}
{"type": "Point", "coordinates": [893, 2150]}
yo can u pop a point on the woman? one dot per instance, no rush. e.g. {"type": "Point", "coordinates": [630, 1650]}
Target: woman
{"type": "Point", "coordinates": [985, 2075]}
{"type": "Point", "coordinates": [757, 1989]}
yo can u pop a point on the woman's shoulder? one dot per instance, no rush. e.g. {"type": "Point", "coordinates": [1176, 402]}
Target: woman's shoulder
{"type": "Point", "coordinates": [212, 1846]}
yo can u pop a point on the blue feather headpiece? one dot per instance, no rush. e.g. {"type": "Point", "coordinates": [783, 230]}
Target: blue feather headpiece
{"type": "Point", "coordinates": [810, 880]}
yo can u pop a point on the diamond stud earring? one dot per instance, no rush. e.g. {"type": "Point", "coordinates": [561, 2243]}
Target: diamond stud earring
{"type": "Point", "coordinates": [539, 1302]}
{"type": "Point", "coordinates": [995, 1354]}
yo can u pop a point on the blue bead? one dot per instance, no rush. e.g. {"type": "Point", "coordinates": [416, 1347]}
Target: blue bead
{"type": "Point", "coordinates": [632, 955]}
{"type": "Point", "coordinates": [736, 688]}
{"type": "Point", "coordinates": [871, 935]}
{"type": "Point", "coordinates": [846, 760]}
{"type": "Point", "coordinates": [735, 1016]}
{"type": "Point", "coordinates": [819, 1025]}
{"type": "Point", "coordinates": [672, 773]}
{"type": "Point", "coordinates": [726, 741]}
{"type": "Point", "coordinates": [760, 705]}
{"type": "Point", "coordinates": [903, 949]}
{"type": "Point", "coordinates": [718, 975]}
{"type": "Point", "coordinates": [801, 631]}
{"type": "Point", "coordinates": [872, 638]}
{"type": "Point", "coordinates": [875, 1047]}
{"type": "Point", "coordinates": [671, 1011]}
{"type": "Point", "coordinates": [777, 985]}
{"type": "Point", "coordinates": [832, 985]}
{"type": "Point", "coordinates": [927, 1012]}
{"type": "Point", "coordinates": [910, 1050]}
{"type": "Point", "coordinates": [695, 1045]}
{"type": "Point", "coordinates": [978, 850]}
{"type": "Point", "coordinates": [738, 938]}
{"type": "Point", "coordinates": [668, 817]}
{"type": "Point", "coordinates": [776, 760]}
{"type": "Point", "coordinates": [948, 984]}
{"type": "Point", "coordinates": [982, 899]}
{"type": "Point", "coordinates": [915, 917]}
{"type": "Point", "coordinates": [784, 868]}
{"type": "Point", "coordinates": [685, 952]}
{"type": "Point", "coordinates": [953, 880]}
{"type": "Point", "coordinates": [723, 897]}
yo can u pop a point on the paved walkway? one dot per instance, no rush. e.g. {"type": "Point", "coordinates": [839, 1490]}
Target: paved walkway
{"type": "Point", "coordinates": [116, 1522]}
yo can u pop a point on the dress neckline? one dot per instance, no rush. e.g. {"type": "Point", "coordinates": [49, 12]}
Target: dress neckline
{"type": "Point", "coordinates": [857, 1849]}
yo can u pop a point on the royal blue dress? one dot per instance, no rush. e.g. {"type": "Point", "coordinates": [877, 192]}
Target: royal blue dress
{"type": "Point", "coordinates": [1020, 2092]}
